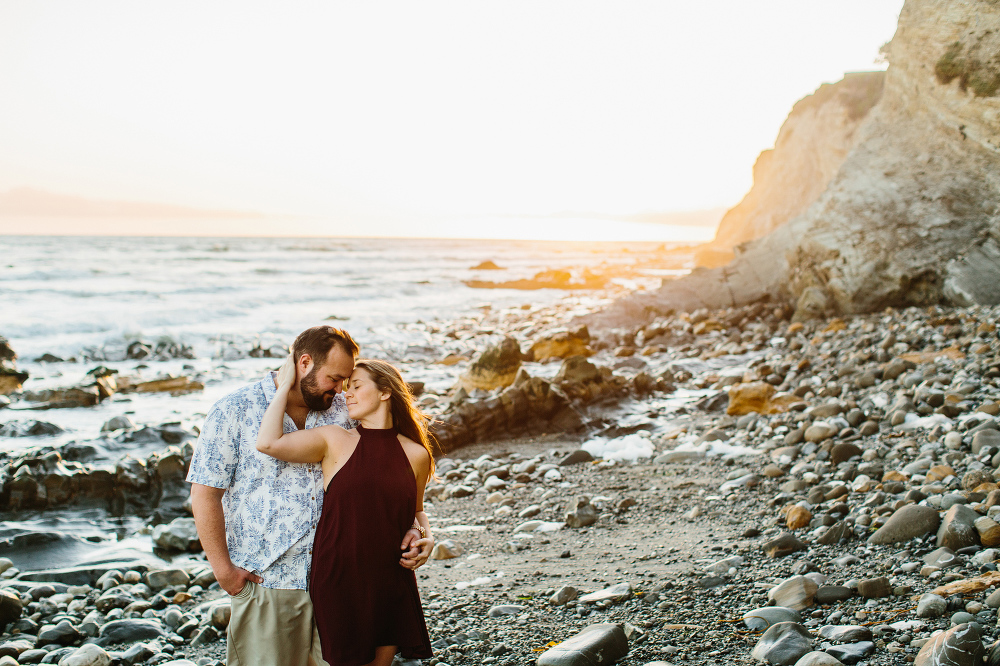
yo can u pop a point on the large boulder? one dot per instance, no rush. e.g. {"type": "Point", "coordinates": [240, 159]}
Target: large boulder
{"type": "Point", "coordinates": [495, 367]}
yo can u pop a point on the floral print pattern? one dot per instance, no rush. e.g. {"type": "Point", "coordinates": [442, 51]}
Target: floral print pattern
{"type": "Point", "coordinates": [271, 506]}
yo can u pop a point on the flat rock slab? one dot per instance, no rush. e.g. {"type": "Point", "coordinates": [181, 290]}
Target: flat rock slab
{"type": "Point", "coordinates": [596, 645]}
{"type": "Point", "coordinates": [851, 653]}
{"type": "Point", "coordinates": [130, 631]}
{"type": "Point", "coordinates": [617, 592]}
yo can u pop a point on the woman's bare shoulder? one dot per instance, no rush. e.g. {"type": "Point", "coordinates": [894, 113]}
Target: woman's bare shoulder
{"type": "Point", "coordinates": [413, 449]}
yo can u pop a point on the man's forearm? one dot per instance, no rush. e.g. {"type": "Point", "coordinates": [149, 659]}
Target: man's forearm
{"type": "Point", "coordinates": [210, 521]}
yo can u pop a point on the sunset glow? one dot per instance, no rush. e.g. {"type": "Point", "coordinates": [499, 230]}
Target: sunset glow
{"type": "Point", "coordinates": [413, 119]}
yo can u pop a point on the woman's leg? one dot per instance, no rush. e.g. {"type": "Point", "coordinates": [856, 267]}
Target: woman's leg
{"type": "Point", "coordinates": [383, 656]}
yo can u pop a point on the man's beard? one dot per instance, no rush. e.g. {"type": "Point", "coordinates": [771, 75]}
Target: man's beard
{"type": "Point", "coordinates": [316, 400]}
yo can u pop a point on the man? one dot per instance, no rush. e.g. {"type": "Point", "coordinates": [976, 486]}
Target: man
{"type": "Point", "coordinates": [256, 515]}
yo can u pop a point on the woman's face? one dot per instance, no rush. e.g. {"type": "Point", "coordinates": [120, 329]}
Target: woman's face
{"type": "Point", "coordinates": [362, 395]}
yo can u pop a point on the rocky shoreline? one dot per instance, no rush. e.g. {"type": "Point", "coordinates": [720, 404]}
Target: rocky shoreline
{"type": "Point", "coordinates": [855, 515]}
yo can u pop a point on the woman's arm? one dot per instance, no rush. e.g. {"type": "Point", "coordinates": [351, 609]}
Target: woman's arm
{"type": "Point", "coordinates": [301, 446]}
{"type": "Point", "coordinates": [420, 461]}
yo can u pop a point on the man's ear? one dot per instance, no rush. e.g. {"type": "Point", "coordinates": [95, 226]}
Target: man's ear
{"type": "Point", "coordinates": [304, 364]}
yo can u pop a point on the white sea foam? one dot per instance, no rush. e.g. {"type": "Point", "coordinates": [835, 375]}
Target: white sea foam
{"type": "Point", "coordinates": [630, 447]}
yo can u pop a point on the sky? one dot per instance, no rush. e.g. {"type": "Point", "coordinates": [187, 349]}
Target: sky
{"type": "Point", "coordinates": [410, 117]}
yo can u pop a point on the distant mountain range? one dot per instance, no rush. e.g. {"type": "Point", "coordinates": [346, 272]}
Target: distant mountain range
{"type": "Point", "coordinates": [29, 202]}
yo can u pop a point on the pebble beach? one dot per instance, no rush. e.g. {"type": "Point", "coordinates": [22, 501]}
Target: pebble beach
{"type": "Point", "coordinates": [697, 488]}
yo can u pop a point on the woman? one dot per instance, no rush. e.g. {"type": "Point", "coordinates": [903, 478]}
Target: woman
{"type": "Point", "coordinates": [366, 604]}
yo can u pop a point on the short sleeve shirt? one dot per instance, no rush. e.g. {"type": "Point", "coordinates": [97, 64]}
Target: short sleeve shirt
{"type": "Point", "coordinates": [271, 506]}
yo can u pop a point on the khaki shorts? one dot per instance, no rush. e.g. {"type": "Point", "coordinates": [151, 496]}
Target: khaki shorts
{"type": "Point", "coordinates": [272, 628]}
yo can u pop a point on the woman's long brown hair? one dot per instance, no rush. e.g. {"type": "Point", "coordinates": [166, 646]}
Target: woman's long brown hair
{"type": "Point", "coordinates": [406, 417]}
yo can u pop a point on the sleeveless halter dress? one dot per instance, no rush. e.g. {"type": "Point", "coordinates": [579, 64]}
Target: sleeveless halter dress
{"type": "Point", "coordinates": [362, 597]}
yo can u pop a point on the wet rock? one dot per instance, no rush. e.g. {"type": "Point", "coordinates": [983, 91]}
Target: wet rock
{"type": "Point", "coordinates": [493, 368]}
{"type": "Point", "coordinates": [796, 593]}
{"type": "Point", "coordinates": [130, 631]}
{"type": "Point", "coordinates": [446, 550]}
{"type": "Point", "coordinates": [596, 645]}
{"type": "Point", "coordinates": [561, 344]}
{"type": "Point", "coordinates": [178, 535]}
{"type": "Point", "coordinates": [959, 646]}
{"type": "Point", "coordinates": [957, 529]}
{"type": "Point", "coordinates": [64, 398]}
{"type": "Point", "coordinates": [29, 429]}
{"type": "Point", "coordinates": [171, 385]}
{"type": "Point", "coordinates": [63, 633]}
{"type": "Point", "coordinates": [783, 644]}
{"type": "Point", "coordinates": [908, 522]}
{"type": "Point", "coordinates": [11, 379]}
{"type": "Point", "coordinates": [161, 578]}
{"type": "Point", "coordinates": [118, 423]}
{"type": "Point", "coordinates": [851, 653]}
{"type": "Point", "coordinates": [786, 544]}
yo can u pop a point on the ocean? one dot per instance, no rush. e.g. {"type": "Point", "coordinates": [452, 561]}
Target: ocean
{"type": "Point", "coordinates": [83, 300]}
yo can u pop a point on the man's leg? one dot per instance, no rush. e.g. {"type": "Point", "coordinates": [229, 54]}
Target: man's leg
{"type": "Point", "coordinates": [270, 628]}
{"type": "Point", "coordinates": [316, 655]}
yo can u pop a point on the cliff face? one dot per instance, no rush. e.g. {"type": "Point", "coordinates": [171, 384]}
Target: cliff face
{"type": "Point", "coordinates": [912, 216]}
{"type": "Point", "coordinates": [811, 146]}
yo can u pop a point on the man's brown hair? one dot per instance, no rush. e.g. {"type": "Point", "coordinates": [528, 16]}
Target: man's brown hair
{"type": "Point", "coordinates": [319, 340]}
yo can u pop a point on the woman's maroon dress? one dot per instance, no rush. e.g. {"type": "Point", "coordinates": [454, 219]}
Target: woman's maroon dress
{"type": "Point", "coordinates": [362, 597]}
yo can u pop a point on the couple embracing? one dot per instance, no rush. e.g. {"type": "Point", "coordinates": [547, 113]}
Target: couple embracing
{"type": "Point", "coordinates": [307, 492]}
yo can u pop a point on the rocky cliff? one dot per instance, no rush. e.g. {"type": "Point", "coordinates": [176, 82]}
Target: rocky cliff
{"type": "Point", "coordinates": [912, 216]}
{"type": "Point", "coordinates": [811, 146]}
